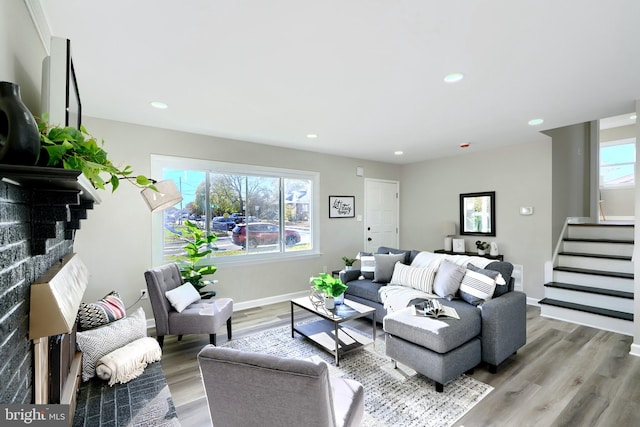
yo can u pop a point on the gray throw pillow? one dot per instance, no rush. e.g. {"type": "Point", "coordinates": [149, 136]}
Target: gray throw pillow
{"type": "Point", "coordinates": [384, 266]}
{"type": "Point", "coordinates": [448, 279]}
{"type": "Point", "coordinates": [506, 269]}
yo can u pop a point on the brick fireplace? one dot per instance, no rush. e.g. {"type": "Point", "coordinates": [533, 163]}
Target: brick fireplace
{"type": "Point", "coordinates": [40, 209]}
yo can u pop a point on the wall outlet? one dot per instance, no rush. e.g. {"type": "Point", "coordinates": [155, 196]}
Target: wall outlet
{"type": "Point", "coordinates": [143, 294]}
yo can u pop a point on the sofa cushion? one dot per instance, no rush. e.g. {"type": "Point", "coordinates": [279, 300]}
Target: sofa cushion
{"type": "Point", "coordinates": [385, 263]}
{"type": "Point", "coordinates": [440, 335]}
{"type": "Point", "coordinates": [477, 287]}
{"type": "Point", "coordinates": [98, 342]}
{"type": "Point", "coordinates": [367, 265]}
{"type": "Point", "coordinates": [506, 270]}
{"type": "Point", "coordinates": [414, 277]}
{"type": "Point", "coordinates": [109, 309]}
{"type": "Point", "coordinates": [448, 279]}
{"type": "Point", "coordinates": [366, 289]}
{"type": "Point", "coordinates": [394, 251]}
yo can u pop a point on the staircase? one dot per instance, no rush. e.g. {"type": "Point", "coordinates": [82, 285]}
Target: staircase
{"type": "Point", "coordinates": [592, 277]}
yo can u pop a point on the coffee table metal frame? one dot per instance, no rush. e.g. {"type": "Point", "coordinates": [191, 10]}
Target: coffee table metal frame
{"type": "Point", "coordinates": [330, 322]}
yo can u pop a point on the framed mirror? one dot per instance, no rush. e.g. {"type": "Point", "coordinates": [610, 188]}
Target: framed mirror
{"type": "Point", "coordinates": [478, 214]}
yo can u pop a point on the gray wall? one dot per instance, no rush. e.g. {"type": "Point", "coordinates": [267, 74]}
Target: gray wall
{"type": "Point", "coordinates": [115, 242]}
{"type": "Point", "coordinates": [571, 174]}
{"type": "Point", "coordinates": [520, 175]}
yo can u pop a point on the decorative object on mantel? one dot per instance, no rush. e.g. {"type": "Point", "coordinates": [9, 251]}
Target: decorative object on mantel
{"type": "Point", "coordinates": [331, 287]}
{"type": "Point", "coordinates": [493, 251]}
{"type": "Point", "coordinates": [458, 245]}
{"type": "Point", "coordinates": [19, 139]}
{"type": "Point", "coordinates": [198, 244]}
{"type": "Point", "coordinates": [73, 148]}
{"type": "Point", "coordinates": [449, 230]}
{"type": "Point", "coordinates": [482, 247]}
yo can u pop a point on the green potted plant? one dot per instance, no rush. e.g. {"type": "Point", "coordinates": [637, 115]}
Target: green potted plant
{"type": "Point", "coordinates": [348, 262]}
{"type": "Point", "coordinates": [73, 148]}
{"type": "Point", "coordinates": [482, 247]}
{"type": "Point", "coordinates": [198, 244]}
{"type": "Point", "coordinates": [331, 287]}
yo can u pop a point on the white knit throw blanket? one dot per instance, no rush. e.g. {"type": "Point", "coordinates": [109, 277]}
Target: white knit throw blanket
{"type": "Point", "coordinates": [128, 362]}
{"type": "Point", "coordinates": [396, 297]}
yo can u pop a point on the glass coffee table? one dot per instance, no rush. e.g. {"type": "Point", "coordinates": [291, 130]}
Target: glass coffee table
{"type": "Point", "coordinates": [327, 332]}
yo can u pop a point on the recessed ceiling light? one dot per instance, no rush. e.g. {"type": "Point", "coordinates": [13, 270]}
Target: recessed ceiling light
{"type": "Point", "coordinates": [312, 135]}
{"type": "Point", "coordinates": [398, 153]}
{"type": "Point", "coordinates": [159, 105]}
{"type": "Point", "coordinates": [453, 77]}
{"type": "Point", "coordinates": [535, 122]}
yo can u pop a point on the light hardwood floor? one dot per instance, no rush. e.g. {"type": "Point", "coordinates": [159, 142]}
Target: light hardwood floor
{"type": "Point", "coordinates": [566, 375]}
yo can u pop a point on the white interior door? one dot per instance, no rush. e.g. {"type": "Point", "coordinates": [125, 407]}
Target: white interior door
{"type": "Point", "coordinates": [382, 201]}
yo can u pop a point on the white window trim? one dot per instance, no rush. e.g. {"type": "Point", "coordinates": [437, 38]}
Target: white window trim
{"type": "Point", "coordinates": [160, 162]}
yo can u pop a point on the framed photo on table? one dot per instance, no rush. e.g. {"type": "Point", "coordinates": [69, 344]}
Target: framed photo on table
{"type": "Point", "coordinates": [342, 206]}
{"type": "Point", "coordinates": [458, 245]}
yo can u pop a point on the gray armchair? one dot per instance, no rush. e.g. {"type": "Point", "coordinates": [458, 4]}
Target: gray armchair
{"type": "Point", "coordinates": [250, 389]}
{"type": "Point", "coordinates": [205, 316]}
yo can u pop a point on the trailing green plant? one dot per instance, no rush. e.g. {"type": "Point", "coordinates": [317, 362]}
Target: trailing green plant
{"type": "Point", "coordinates": [73, 148]}
{"type": "Point", "coordinates": [348, 262]}
{"type": "Point", "coordinates": [482, 245]}
{"type": "Point", "coordinates": [198, 244]}
{"type": "Point", "coordinates": [328, 285]}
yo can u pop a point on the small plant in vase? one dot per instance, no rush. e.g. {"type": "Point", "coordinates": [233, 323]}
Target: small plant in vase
{"type": "Point", "coordinates": [482, 247]}
{"type": "Point", "coordinates": [348, 262]}
{"type": "Point", "coordinates": [331, 287]}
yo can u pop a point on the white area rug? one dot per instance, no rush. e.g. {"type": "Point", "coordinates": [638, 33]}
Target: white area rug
{"type": "Point", "coordinates": [393, 397]}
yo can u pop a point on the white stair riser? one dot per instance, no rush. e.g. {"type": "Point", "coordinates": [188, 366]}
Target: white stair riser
{"type": "Point", "coordinates": [599, 248]}
{"type": "Point", "coordinates": [602, 264]}
{"type": "Point", "coordinates": [614, 283]}
{"type": "Point", "coordinates": [604, 232]}
{"type": "Point", "coordinates": [594, 300]}
{"type": "Point", "coordinates": [620, 326]}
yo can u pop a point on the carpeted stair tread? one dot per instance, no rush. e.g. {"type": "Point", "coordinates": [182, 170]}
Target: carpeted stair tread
{"type": "Point", "coordinates": [590, 289]}
{"type": "Point", "coordinates": [595, 272]}
{"type": "Point", "coordinates": [612, 257]}
{"type": "Point", "coordinates": [588, 309]}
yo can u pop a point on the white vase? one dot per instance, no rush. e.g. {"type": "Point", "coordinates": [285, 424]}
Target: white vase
{"type": "Point", "coordinates": [481, 252]}
{"type": "Point", "coordinates": [339, 300]}
{"type": "Point", "coordinates": [329, 303]}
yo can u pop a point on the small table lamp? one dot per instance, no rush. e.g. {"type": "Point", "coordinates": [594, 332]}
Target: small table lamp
{"type": "Point", "coordinates": [448, 229]}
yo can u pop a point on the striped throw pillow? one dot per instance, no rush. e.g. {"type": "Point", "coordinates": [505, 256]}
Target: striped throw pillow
{"type": "Point", "coordinates": [414, 277]}
{"type": "Point", "coordinates": [476, 288]}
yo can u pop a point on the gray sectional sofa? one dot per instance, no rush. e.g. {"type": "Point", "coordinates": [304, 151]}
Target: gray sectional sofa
{"type": "Point", "coordinates": [489, 330]}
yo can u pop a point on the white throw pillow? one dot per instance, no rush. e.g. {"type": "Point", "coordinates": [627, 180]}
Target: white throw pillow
{"type": "Point", "coordinates": [182, 296]}
{"type": "Point", "coordinates": [414, 277]}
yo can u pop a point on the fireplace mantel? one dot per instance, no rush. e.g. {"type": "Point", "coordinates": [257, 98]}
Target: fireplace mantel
{"type": "Point", "coordinates": [57, 195]}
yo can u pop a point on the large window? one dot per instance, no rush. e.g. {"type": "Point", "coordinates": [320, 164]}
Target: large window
{"type": "Point", "coordinates": [617, 163]}
{"type": "Point", "coordinates": [256, 213]}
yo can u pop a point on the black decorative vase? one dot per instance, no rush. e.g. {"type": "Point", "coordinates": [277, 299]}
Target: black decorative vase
{"type": "Point", "coordinates": [19, 136]}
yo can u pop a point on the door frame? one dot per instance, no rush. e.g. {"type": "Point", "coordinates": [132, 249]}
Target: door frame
{"type": "Point", "coordinates": [364, 224]}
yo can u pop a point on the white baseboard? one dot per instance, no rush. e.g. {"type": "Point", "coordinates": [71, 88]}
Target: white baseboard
{"type": "Point", "coordinates": [635, 350]}
{"type": "Point", "coordinates": [533, 301]}
{"type": "Point", "coordinates": [269, 300]}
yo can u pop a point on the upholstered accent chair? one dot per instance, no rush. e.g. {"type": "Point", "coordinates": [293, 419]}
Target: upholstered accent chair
{"type": "Point", "coordinates": [200, 316]}
{"type": "Point", "coordinates": [250, 389]}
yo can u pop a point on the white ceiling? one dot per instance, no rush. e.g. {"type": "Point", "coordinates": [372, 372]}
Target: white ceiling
{"type": "Point", "coordinates": [365, 75]}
